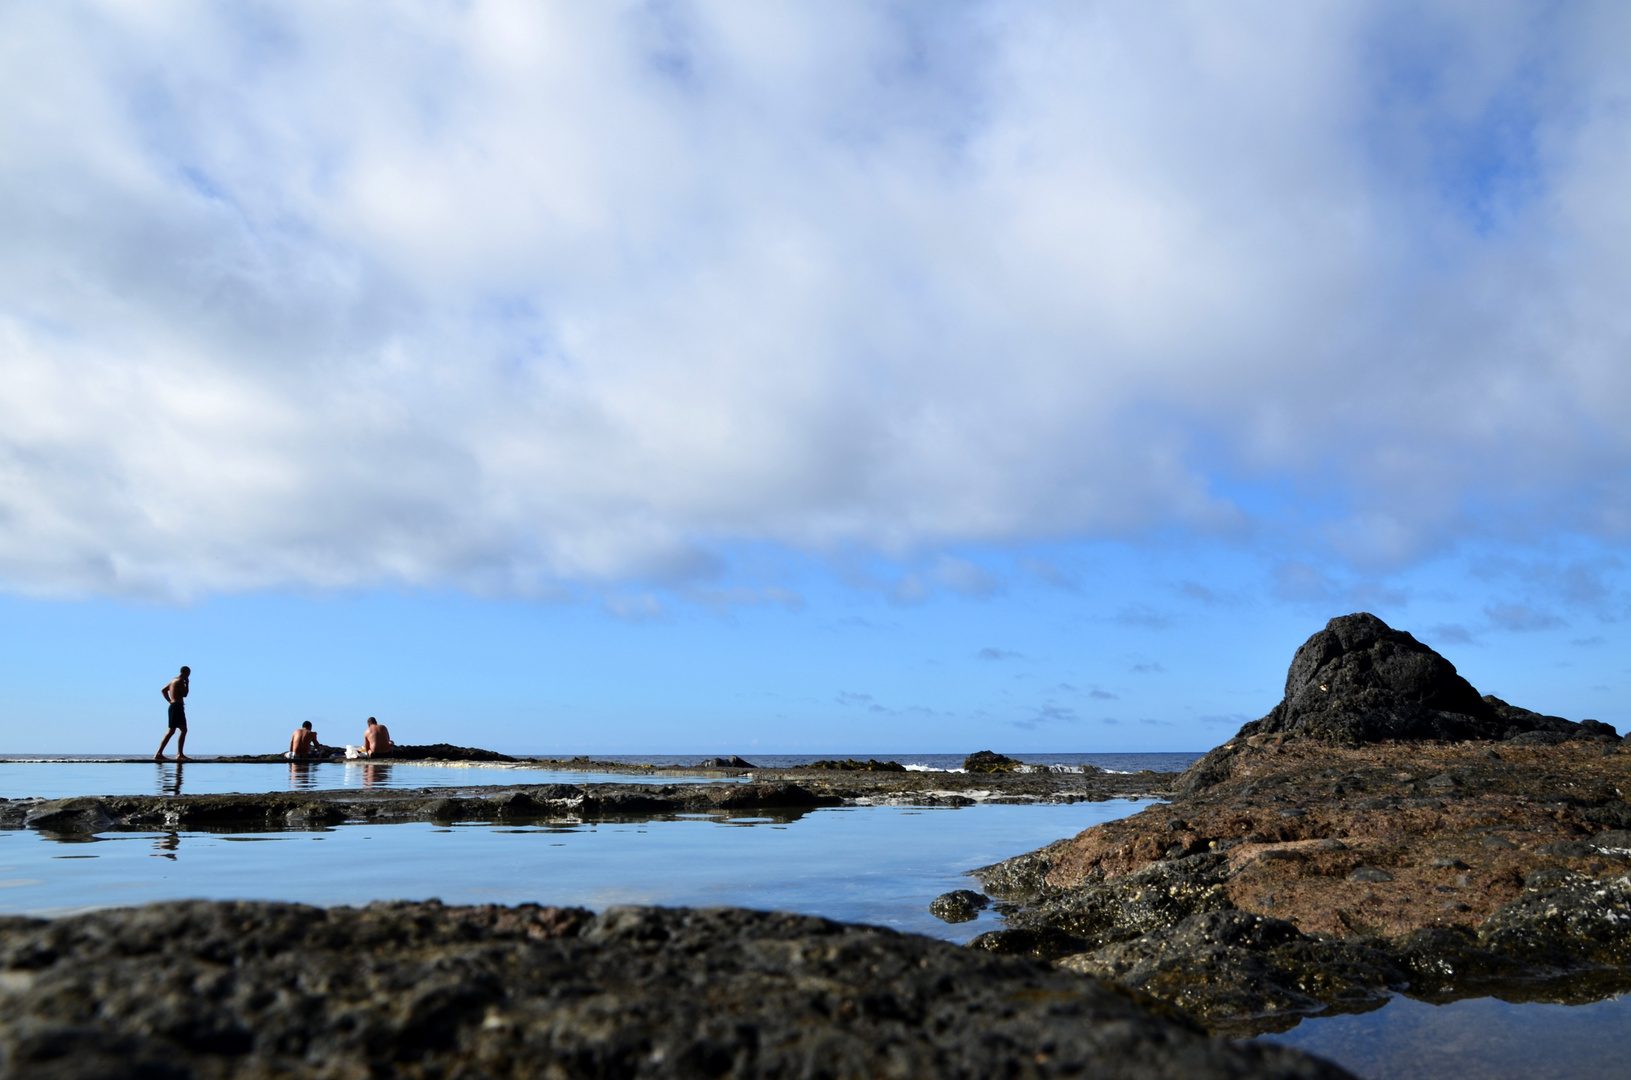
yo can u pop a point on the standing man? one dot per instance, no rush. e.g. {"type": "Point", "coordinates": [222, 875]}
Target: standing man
{"type": "Point", "coordinates": [174, 691]}
{"type": "Point", "coordinates": [376, 741]}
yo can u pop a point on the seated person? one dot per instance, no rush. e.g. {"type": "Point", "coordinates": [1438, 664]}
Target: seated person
{"type": "Point", "coordinates": [303, 743]}
{"type": "Point", "coordinates": [376, 741]}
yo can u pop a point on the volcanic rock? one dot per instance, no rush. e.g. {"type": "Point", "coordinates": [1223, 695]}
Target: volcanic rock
{"type": "Point", "coordinates": [1359, 681]}
{"type": "Point", "coordinates": [1513, 881]}
{"type": "Point", "coordinates": [987, 761]}
{"type": "Point", "coordinates": [851, 765]}
{"type": "Point", "coordinates": [235, 989]}
{"type": "Point", "coordinates": [959, 905]}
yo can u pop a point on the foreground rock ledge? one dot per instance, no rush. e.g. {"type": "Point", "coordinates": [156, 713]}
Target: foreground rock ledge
{"type": "Point", "coordinates": [418, 989]}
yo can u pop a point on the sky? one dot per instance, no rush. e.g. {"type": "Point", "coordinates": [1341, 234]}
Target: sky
{"type": "Point", "coordinates": [841, 377]}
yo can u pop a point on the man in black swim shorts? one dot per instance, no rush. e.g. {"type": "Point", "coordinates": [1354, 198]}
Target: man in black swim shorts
{"type": "Point", "coordinates": [174, 691]}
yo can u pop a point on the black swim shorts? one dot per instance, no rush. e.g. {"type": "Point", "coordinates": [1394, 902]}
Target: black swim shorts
{"type": "Point", "coordinates": [178, 715]}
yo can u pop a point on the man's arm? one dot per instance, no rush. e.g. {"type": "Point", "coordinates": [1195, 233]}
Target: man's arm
{"type": "Point", "coordinates": [165, 690]}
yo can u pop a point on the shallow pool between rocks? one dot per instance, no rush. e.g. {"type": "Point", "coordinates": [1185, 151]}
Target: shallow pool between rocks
{"type": "Point", "coordinates": [875, 864]}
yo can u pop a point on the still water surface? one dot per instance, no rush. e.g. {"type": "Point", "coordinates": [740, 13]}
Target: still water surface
{"type": "Point", "coordinates": [1476, 1039]}
{"type": "Point", "coordinates": [876, 864]}
{"type": "Point", "coordinates": [61, 779]}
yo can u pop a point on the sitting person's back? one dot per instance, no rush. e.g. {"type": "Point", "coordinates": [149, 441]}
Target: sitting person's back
{"type": "Point", "coordinates": [303, 743]}
{"type": "Point", "coordinates": [376, 741]}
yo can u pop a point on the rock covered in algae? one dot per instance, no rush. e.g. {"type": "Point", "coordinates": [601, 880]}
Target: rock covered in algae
{"type": "Point", "coordinates": [418, 989]}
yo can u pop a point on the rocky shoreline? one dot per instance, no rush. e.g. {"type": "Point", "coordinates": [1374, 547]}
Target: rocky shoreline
{"type": "Point", "coordinates": [1361, 840]}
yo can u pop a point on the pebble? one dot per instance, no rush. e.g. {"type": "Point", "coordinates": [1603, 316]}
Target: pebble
{"type": "Point", "coordinates": [1370, 873]}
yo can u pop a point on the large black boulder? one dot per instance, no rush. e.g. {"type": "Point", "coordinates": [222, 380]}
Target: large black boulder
{"type": "Point", "coordinates": [1361, 681]}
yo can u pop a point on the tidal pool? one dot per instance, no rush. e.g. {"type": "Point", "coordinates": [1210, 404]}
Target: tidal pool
{"type": "Point", "coordinates": [1476, 1039]}
{"type": "Point", "coordinates": [62, 779]}
{"type": "Point", "coordinates": [875, 864]}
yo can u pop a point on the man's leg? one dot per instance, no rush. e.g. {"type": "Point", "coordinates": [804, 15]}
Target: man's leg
{"type": "Point", "coordinates": [181, 746]}
{"type": "Point", "coordinates": [160, 755]}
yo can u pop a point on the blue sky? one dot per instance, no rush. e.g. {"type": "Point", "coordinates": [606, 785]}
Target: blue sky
{"type": "Point", "coordinates": [855, 377]}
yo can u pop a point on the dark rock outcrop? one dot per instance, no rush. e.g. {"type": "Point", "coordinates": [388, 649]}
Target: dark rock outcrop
{"type": "Point", "coordinates": [1360, 681]}
{"type": "Point", "coordinates": [988, 761]}
{"type": "Point", "coordinates": [959, 905]}
{"type": "Point", "coordinates": [431, 752]}
{"type": "Point", "coordinates": [851, 765]}
{"type": "Point", "coordinates": [445, 752]}
{"type": "Point", "coordinates": [732, 762]}
{"type": "Point", "coordinates": [253, 990]}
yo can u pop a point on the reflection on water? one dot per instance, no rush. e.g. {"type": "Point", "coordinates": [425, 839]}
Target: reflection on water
{"type": "Point", "coordinates": [311, 776]}
{"type": "Point", "coordinates": [1483, 1038]}
{"type": "Point", "coordinates": [866, 864]}
{"type": "Point", "coordinates": [64, 779]}
{"type": "Point", "coordinates": [370, 773]}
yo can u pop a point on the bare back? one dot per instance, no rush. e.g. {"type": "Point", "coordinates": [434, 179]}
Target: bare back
{"type": "Point", "coordinates": [376, 739]}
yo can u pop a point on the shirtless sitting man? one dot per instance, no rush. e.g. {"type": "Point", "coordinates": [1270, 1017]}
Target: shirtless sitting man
{"type": "Point", "coordinates": [376, 741]}
{"type": "Point", "coordinates": [303, 743]}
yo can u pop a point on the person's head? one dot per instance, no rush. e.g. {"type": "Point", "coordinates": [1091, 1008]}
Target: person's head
{"type": "Point", "coordinates": [185, 670]}
{"type": "Point", "coordinates": [372, 722]}
{"type": "Point", "coordinates": [306, 725]}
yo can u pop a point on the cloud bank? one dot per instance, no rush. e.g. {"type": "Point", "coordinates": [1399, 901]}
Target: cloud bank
{"type": "Point", "coordinates": [514, 297]}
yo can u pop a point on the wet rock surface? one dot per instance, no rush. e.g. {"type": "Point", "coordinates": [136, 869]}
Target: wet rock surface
{"type": "Point", "coordinates": [1309, 865]}
{"type": "Point", "coordinates": [959, 905]}
{"type": "Point", "coordinates": [421, 990]}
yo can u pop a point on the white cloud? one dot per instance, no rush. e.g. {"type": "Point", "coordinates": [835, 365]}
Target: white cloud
{"type": "Point", "coordinates": [510, 296]}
